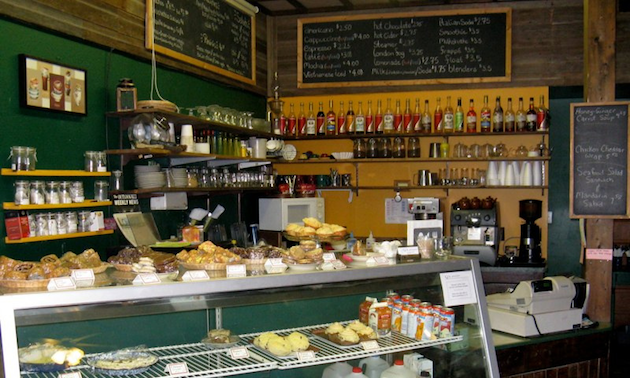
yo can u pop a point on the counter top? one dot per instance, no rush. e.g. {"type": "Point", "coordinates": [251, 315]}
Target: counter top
{"type": "Point", "coordinates": [505, 340]}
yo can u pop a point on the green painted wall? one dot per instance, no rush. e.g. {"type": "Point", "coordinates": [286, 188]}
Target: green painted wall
{"type": "Point", "coordinates": [62, 139]}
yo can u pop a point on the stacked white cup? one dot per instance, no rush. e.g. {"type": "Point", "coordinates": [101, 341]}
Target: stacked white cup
{"type": "Point", "coordinates": [186, 138]}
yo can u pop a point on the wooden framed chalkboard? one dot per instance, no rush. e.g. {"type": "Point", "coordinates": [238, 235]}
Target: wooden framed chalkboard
{"type": "Point", "coordinates": [217, 35]}
{"type": "Point", "coordinates": [599, 160]}
{"type": "Point", "coordinates": [467, 46]}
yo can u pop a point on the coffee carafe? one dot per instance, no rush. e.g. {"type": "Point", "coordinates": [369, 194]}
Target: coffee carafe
{"type": "Point", "coordinates": [529, 251]}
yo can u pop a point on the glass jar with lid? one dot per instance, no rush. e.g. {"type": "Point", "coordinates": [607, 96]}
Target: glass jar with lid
{"type": "Point", "coordinates": [31, 158]}
{"type": "Point", "coordinates": [413, 147]}
{"type": "Point", "coordinates": [41, 221]}
{"type": "Point", "coordinates": [100, 190]}
{"type": "Point", "coordinates": [398, 150]}
{"type": "Point", "coordinates": [52, 193]}
{"type": "Point", "coordinates": [51, 219]}
{"type": "Point", "coordinates": [22, 192]}
{"type": "Point", "coordinates": [192, 175]}
{"type": "Point", "coordinates": [64, 192]}
{"type": "Point", "coordinates": [38, 196]}
{"type": "Point", "coordinates": [84, 221]}
{"type": "Point", "coordinates": [71, 220]}
{"type": "Point", "coordinates": [18, 158]}
{"type": "Point", "coordinates": [101, 161]}
{"type": "Point", "coordinates": [91, 161]}
{"type": "Point", "coordinates": [62, 223]}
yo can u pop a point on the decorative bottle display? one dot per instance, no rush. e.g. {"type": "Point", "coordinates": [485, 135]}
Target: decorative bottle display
{"type": "Point", "coordinates": [426, 118]}
{"type": "Point", "coordinates": [497, 117]}
{"type": "Point", "coordinates": [388, 118]}
{"type": "Point", "coordinates": [369, 119]}
{"type": "Point", "coordinates": [530, 124]}
{"type": "Point", "coordinates": [448, 116]}
{"type": "Point", "coordinates": [486, 115]}
{"type": "Point", "coordinates": [521, 116]}
{"type": "Point", "coordinates": [510, 117]}
{"type": "Point", "coordinates": [542, 115]}
{"type": "Point", "coordinates": [416, 118]}
{"type": "Point", "coordinates": [459, 117]}
{"type": "Point", "coordinates": [311, 122]}
{"type": "Point", "coordinates": [437, 117]}
{"type": "Point", "coordinates": [359, 120]}
{"type": "Point", "coordinates": [291, 129]}
{"type": "Point", "coordinates": [350, 119]}
{"type": "Point", "coordinates": [471, 118]}
{"type": "Point", "coordinates": [398, 122]}
{"type": "Point", "coordinates": [301, 121]}
{"type": "Point", "coordinates": [378, 118]}
{"type": "Point", "coordinates": [281, 120]}
{"type": "Point", "coordinates": [331, 120]}
{"type": "Point", "coordinates": [341, 120]}
{"type": "Point", "coordinates": [321, 120]}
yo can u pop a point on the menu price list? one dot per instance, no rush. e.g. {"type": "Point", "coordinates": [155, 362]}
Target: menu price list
{"type": "Point", "coordinates": [600, 151]}
{"type": "Point", "coordinates": [409, 48]}
{"type": "Point", "coordinates": [208, 30]}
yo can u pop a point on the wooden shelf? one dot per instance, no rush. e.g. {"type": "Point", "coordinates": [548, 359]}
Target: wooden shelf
{"type": "Point", "coordinates": [431, 187]}
{"type": "Point", "coordinates": [410, 160]}
{"type": "Point", "coordinates": [158, 191]}
{"type": "Point", "coordinates": [183, 119]}
{"type": "Point", "coordinates": [183, 157]}
{"type": "Point", "coordinates": [58, 237]}
{"type": "Point", "coordinates": [54, 173]}
{"type": "Point", "coordinates": [428, 135]}
{"type": "Point", "coordinates": [88, 203]}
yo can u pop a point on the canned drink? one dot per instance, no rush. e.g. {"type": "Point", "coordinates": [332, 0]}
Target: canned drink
{"type": "Point", "coordinates": [447, 322]}
{"type": "Point", "coordinates": [412, 322]}
{"type": "Point", "coordinates": [406, 298]}
{"type": "Point", "coordinates": [424, 330]}
{"type": "Point", "coordinates": [437, 316]}
{"type": "Point", "coordinates": [405, 318]}
{"type": "Point", "coordinates": [397, 316]}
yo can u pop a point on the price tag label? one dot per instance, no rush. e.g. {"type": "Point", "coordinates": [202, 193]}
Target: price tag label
{"type": "Point", "coordinates": [338, 264]}
{"type": "Point", "coordinates": [307, 355]}
{"type": "Point", "coordinates": [370, 345]}
{"type": "Point", "coordinates": [408, 251]}
{"type": "Point", "coordinates": [177, 368]}
{"type": "Point", "coordinates": [83, 277]}
{"type": "Point", "coordinates": [74, 374]}
{"type": "Point", "coordinates": [61, 283]}
{"type": "Point", "coordinates": [238, 353]}
{"type": "Point", "coordinates": [195, 275]}
{"type": "Point", "coordinates": [329, 257]}
{"type": "Point", "coordinates": [239, 270]}
{"type": "Point", "coordinates": [146, 279]}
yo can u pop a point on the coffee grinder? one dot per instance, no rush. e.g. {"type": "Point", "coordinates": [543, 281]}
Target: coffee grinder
{"type": "Point", "coordinates": [529, 251]}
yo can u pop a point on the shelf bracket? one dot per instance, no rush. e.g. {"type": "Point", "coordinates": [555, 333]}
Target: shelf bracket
{"type": "Point", "coordinates": [350, 192]}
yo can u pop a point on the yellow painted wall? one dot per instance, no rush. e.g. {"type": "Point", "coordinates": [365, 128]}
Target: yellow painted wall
{"type": "Point", "coordinates": [366, 211]}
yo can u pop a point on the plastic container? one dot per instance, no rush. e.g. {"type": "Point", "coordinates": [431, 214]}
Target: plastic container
{"type": "Point", "coordinates": [356, 373]}
{"type": "Point", "coordinates": [369, 242]}
{"type": "Point", "coordinates": [398, 370]}
{"type": "Point", "coordinates": [373, 366]}
{"type": "Point", "coordinates": [337, 370]}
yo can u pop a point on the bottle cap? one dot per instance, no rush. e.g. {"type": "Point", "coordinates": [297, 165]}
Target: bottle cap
{"type": "Point", "coordinates": [357, 369]}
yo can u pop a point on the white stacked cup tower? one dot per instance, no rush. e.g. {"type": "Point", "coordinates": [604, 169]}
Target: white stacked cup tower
{"type": "Point", "coordinates": [512, 173]}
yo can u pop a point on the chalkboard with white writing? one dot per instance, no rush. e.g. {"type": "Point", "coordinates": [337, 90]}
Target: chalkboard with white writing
{"type": "Point", "coordinates": [599, 160]}
{"type": "Point", "coordinates": [401, 49]}
{"type": "Point", "coordinates": [217, 35]}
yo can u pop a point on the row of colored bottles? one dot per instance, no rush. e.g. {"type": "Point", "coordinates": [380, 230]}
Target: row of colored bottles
{"type": "Point", "coordinates": [219, 143]}
{"type": "Point", "coordinates": [407, 121]}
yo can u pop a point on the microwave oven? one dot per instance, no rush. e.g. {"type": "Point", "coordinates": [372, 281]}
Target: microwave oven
{"type": "Point", "coordinates": [274, 214]}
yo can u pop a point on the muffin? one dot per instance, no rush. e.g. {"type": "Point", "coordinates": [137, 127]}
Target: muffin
{"type": "Point", "coordinates": [307, 231]}
{"type": "Point", "coordinates": [312, 222]}
{"type": "Point", "coordinates": [298, 342]}
{"type": "Point", "coordinates": [334, 328]}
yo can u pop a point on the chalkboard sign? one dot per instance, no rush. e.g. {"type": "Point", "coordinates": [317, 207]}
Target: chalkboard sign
{"type": "Point", "coordinates": [405, 48]}
{"type": "Point", "coordinates": [599, 160]}
{"type": "Point", "coordinates": [217, 35]}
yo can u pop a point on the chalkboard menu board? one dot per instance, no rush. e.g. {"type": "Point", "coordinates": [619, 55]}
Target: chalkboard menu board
{"type": "Point", "coordinates": [217, 35]}
{"type": "Point", "coordinates": [599, 160]}
{"type": "Point", "coordinates": [403, 49]}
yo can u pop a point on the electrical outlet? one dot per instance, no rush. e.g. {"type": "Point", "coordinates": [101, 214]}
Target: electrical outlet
{"type": "Point", "coordinates": [549, 217]}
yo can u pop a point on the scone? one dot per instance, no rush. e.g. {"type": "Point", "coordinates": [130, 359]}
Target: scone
{"type": "Point", "coordinates": [367, 333]}
{"type": "Point", "coordinates": [334, 329]}
{"type": "Point", "coordinates": [357, 326]}
{"type": "Point", "coordinates": [263, 339]}
{"type": "Point", "coordinates": [292, 228]}
{"type": "Point", "coordinates": [279, 346]}
{"type": "Point", "coordinates": [349, 336]}
{"type": "Point", "coordinates": [339, 230]}
{"type": "Point", "coordinates": [324, 232]}
{"type": "Point", "coordinates": [298, 342]}
{"type": "Point", "coordinates": [312, 222]}
{"type": "Point", "coordinates": [307, 231]}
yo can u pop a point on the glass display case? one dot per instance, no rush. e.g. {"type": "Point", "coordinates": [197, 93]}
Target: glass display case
{"type": "Point", "coordinates": [250, 306]}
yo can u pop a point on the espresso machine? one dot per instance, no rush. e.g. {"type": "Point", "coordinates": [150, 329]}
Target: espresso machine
{"type": "Point", "coordinates": [424, 208]}
{"type": "Point", "coordinates": [428, 220]}
{"type": "Point", "coordinates": [476, 233]}
{"type": "Point", "coordinates": [530, 253]}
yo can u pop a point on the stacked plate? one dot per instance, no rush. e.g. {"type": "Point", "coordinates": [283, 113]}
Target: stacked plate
{"type": "Point", "coordinates": [149, 176]}
{"type": "Point", "coordinates": [177, 178]}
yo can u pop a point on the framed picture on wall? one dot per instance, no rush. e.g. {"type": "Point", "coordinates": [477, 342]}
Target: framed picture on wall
{"type": "Point", "coordinates": [52, 86]}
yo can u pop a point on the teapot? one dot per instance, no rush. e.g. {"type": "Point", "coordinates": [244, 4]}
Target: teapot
{"type": "Point", "coordinates": [464, 203]}
{"type": "Point", "coordinates": [475, 203]}
{"type": "Point", "coordinates": [488, 203]}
